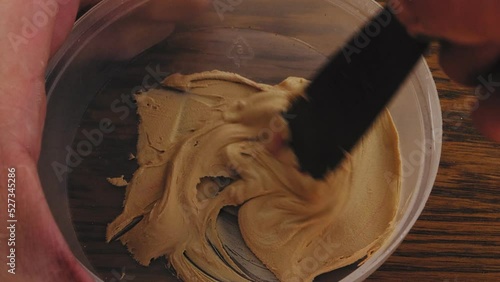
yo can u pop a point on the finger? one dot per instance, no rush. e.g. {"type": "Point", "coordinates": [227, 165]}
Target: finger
{"type": "Point", "coordinates": [465, 63]}
{"type": "Point", "coordinates": [487, 116]}
{"type": "Point", "coordinates": [28, 28]}
{"type": "Point", "coordinates": [461, 21]}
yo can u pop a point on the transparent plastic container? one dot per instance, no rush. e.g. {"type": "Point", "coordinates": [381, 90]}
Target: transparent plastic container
{"type": "Point", "coordinates": [122, 46]}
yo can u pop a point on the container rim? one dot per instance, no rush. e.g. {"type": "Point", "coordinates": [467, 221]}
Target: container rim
{"type": "Point", "coordinates": [108, 11]}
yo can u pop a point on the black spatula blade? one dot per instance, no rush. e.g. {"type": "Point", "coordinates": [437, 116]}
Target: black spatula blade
{"type": "Point", "coordinates": [347, 95]}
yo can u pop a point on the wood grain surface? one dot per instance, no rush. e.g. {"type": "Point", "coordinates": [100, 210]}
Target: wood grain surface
{"type": "Point", "coordinates": [456, 239]}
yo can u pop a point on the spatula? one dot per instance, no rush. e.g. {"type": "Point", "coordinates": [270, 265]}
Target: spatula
{"type": "Point", "coordinates": [346, 96]}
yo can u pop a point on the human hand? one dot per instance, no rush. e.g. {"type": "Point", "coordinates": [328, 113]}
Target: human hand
{"type": "Point", "coordinates": [31, 32]}
{"type": "Point", "coordinates": [470, 46]}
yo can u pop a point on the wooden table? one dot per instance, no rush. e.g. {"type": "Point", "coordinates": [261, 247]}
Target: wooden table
{"type": "Point", "coordinates": [457, 237]}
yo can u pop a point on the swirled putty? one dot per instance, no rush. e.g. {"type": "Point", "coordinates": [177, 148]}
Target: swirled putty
{"type": "Point", "coordinates": [221, 128]}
